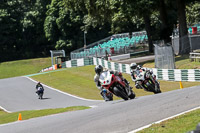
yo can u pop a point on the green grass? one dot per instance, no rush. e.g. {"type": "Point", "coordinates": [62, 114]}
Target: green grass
{"type": "Point", "coordinates": [79, 81]}
{"type": "Point", "coordinates": [180, 124]}
{"type": "Point", "coordinates": [181, 62]}
{"type": "Point", "coordinates": [11, 117]}
{"type": "Point", "coordinates": [23, 67]}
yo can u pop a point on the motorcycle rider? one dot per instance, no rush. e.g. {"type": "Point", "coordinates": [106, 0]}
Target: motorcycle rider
{"type": "Point", "coordinates": [135, 71]}
{"type": "Point", "coordinates": [98, 71]}
{"type": "Point", "coordinates": [39, 88]}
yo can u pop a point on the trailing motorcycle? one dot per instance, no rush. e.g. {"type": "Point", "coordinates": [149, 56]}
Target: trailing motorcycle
{"type": "Point", "coordinates": [116, 85]}
{"type": "Point", "coordinates": [40, 92]}
{"type": "Point", "coordinates": [148, 82]}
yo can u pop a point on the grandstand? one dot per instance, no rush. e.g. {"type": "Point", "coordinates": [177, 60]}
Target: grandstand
{"type": "Point", "coordinates": [191, 28]}
{"type": "Point", "coordinates": [114, 45]}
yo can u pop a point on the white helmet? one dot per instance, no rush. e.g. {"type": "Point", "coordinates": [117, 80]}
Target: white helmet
{"type": "Point", "coordinates": [133, 65]}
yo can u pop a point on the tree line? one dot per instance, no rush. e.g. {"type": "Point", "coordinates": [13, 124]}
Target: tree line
{"type": "Point", "coordinates": [30, 28]}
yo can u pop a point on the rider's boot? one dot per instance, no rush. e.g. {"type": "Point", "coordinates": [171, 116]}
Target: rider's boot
{"type": "Point", "coordinates": [104, 95]}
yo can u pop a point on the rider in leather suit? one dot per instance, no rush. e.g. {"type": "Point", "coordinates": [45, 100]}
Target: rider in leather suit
{"type": "Point", "coordinates": [98, 71]}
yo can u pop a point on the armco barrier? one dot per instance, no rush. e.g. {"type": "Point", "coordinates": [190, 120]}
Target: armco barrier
{"type": "Point", "coordinates": [161, 74]}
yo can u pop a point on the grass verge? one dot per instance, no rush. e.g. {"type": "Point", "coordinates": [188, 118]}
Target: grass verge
{"type": "Point", "coordinates": [23, 67]}
{"type": "Point", "coordinates": [11, 117]}
{"type": "Point", "coordinates": [79, 81]}
{"type": "Point", "coordinates": [180, 124]}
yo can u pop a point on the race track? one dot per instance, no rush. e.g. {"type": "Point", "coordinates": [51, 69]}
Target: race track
{"type": "Point", "coordinates": [18, 94]}
{"type": "Point", "coordinates": [108, 117]}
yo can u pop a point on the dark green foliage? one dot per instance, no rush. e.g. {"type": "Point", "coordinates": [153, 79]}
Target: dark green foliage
{"type": "Point", "coordinates": [30, 28]}
{"type": "Point", "coordinates": [21, 29]}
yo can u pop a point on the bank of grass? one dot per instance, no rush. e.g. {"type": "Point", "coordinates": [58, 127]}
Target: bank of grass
{"type": "Point", "coordinates": [23, 67]}
{"type": "Point", "coordinates": [11, 117]}
{"type": "Point", "coordinates": [79, 81]}
{"type": "Point", "coordinates": [180, 124]}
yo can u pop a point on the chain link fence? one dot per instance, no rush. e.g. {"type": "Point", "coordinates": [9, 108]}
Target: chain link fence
{"type": "Point", "coordinates": [189, 42]}
{"type": "Point", "coordinates": [164, 55]}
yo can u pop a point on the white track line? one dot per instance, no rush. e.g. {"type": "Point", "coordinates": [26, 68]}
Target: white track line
{"type": "Point", "coordinates": [62, 91]}
{"type": "Point", "coordinates": [141, 128]}
{"type": "Point", "coordinates": [5, 109]}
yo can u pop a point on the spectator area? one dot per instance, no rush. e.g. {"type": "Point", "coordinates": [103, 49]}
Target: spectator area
{"type": "Point", "coordinates": [116, 44]}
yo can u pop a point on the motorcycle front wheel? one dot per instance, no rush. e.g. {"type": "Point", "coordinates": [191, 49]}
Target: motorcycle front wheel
{"type": "Point", "coordinates": [132, 96]}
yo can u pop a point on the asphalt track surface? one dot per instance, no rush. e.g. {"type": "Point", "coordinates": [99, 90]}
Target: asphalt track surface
{"type": "Point", "coordinates": [137, 59]}
{"type": "Point", "coordinates": [107, 117]}
{"type": "Point", "coordinates": [18, 94]}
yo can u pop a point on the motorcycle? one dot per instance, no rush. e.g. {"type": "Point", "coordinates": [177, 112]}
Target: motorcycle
{"type": "Point", "coordinates": [147, 82]}
{"type": "Point", "coordinates": [40, 92]}
{"type": "Point", "coordinates": [116, 85]}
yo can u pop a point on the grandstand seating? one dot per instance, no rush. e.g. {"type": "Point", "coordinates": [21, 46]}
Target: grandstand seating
{"type": "Point", "coordinates": [115, 42]}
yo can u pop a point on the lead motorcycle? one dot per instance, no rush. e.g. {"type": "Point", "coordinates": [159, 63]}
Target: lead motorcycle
{"type": "Point", "coordinates": [116, 85]}
{"type": "Point", "coordinates": [147, 81]}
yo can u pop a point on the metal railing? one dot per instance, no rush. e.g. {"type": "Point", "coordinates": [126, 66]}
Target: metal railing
{"type": "Point", "coordinates": [113, 45]}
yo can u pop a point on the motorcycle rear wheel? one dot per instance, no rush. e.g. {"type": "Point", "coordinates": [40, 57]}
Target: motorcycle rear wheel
{"type": "Point", "coordinates": [40, 95]}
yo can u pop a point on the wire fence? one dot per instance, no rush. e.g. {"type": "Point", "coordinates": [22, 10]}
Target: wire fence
{"type": "Point", "coordinates": [187, 43]}
{"type": "Point", "coordinates": [164, 55]}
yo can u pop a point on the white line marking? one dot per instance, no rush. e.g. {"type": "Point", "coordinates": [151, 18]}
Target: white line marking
{"type": "Point", "coordinates": [93, 106]}
{"type": "Point", "coordinates": [62, 91]}
{"type": "Point", "coordinates": [141, 128]}
{"type": "Point", "coordinates": [5, 109]}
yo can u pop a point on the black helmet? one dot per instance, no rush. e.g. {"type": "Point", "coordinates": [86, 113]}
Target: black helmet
{"type": "Point", "coordinates": [133, 66]}
{"type": "Point", "coordinates": [98, 69]}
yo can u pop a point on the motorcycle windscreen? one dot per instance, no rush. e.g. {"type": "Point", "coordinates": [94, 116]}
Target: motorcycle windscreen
{"type": "Point", "coordinates": [105, 78]}
{"type": "Point", "coordinates": [104, 75]}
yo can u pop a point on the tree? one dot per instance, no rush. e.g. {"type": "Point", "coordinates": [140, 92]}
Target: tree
{"type": "Point", "coordinates": [21, 29]}
{"type": "Point", "coordinates": [143, 9]}
{"type": "Point", "coordinates": [183, 32]}
{"type": "Point", "coordinates": [193, 13]}
{"type": "Point", "coordinates": [10, 29]}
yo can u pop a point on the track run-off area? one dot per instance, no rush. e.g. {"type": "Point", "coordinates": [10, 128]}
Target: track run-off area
{"type": "Point", "coordinates": [18, 94]}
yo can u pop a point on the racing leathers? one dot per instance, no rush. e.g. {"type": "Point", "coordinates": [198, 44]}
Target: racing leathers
{"type": "Point", "coordinates": [39, 88]}
{"type": "Point", "coordinates": [98, 84]}
{"type": "Point", "coordinates": [136, 72]}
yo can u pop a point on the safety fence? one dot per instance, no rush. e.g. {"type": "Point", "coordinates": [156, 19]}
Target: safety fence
{"type": "Point", "coordinates": [161, 74]}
